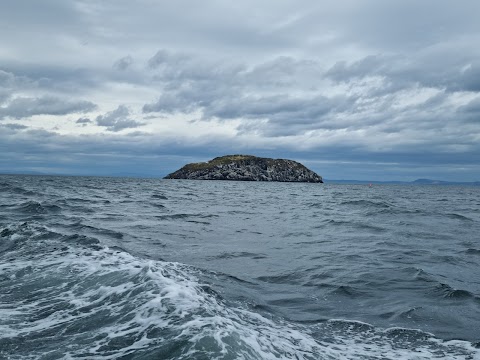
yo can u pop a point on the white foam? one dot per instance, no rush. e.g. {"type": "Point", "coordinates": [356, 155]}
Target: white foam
{"type": "Point", "coordinates": [104, 304]}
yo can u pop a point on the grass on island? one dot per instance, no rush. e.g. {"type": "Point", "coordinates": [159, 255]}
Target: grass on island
{"type": "Point", "coordinates": [227, 159]}
{"type": "Point", "coordinates": [222, 160]}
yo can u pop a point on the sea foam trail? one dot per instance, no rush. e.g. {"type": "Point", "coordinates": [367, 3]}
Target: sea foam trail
{"type": "Point", "coordinates": [69, 297]}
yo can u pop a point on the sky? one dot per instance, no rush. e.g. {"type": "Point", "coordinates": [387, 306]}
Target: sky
{"type": "Point", "coordinates": [367, 90]}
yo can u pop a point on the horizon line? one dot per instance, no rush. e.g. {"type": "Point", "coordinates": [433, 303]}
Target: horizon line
{"type": "Point", "coordinates": [418, 181]}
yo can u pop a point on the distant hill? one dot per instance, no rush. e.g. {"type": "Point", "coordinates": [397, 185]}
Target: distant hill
{"type": "Point", "coordinates": [415, 182]}
{"type": "Point", "coordinates": [429, 182]}
{"type": "Point", "coordinates": [441, 182]}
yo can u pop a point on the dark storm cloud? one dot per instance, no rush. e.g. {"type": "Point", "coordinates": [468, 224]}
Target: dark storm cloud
{"type": "Point", "coordinates": [25, 107]}
{"type": "Point", "coordinates": [117, 120]}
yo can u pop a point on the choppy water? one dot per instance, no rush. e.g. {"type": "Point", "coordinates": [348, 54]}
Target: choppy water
{"type": "Point", "coordinates": [108, 268]}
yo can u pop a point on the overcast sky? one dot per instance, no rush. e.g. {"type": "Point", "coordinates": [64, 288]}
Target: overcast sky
{"type": "Point", "coordinates": [369, 90]}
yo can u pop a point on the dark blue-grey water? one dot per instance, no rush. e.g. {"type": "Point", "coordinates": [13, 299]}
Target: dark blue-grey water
{"type": "Point", "coordinates": [109, 268]}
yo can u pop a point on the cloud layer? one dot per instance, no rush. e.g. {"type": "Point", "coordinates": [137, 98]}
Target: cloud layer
{"type": "Point", "coordinates": [356, 90]}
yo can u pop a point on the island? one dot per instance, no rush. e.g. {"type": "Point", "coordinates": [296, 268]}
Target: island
{"type": "Point", "coordinates": [247, 168]}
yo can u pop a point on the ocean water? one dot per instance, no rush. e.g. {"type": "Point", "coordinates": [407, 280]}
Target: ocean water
{"type": "Point", "coordinates": [112, 268]}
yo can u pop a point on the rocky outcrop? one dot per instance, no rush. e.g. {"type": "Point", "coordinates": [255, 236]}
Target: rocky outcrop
{"type": "Point", "coordinates": [247, 168]}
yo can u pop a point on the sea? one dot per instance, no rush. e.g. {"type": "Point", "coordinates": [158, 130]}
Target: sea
{"type": "Point", "coordinates": [124, 268]}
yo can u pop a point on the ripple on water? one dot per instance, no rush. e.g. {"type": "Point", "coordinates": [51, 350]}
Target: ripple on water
{"type": "Point", "coordinates": [472, 251]}
{"type": "Point", "coordinates": [239, 254]}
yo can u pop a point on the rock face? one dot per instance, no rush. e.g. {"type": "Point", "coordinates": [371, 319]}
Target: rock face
{"type": "Point", "coordinates": [247, 168]}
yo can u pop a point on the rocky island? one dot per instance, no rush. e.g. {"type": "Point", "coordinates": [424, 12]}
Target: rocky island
{"type": "Point", "coordinates": [247, 168]}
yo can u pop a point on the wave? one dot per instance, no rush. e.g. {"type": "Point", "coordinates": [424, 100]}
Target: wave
{"type": "Point", "coordinates": [159, 196]}
{"type": "Point", "coordinates": [15, 189]}
{"type": "Point", "coordinates": [368, 204]}
{"type": "Point", "coordinates": [459, 217]}
{"type": "Point", "coordinates": [472, 251]}
{"type": "Point", "coordinates": [79, 226]}
{"type": "Point", "coordinates": [34, 207]}
{"type": "Point", "coordinates": [448, 292]}
{"type": "Point", "coordinates": [104, 303]}
{"type": "Point", "coordinates": [288, 278]}
{"type": "Point", "coordinates": [347, 291]}
{"type": "Point", "coordinates": [350, 224]}
{"type": "Point", "coordinates": [185, 216]}
{"type": "Point", "coordinates": [239, 254]}
{"type": "Point", "coordinates": [71, 297]}
{"type": "Point", "coordinates": [440, 289]}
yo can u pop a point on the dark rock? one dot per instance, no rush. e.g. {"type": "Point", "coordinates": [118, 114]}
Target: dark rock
{"type": "Point", "coordinates": [247, 168]}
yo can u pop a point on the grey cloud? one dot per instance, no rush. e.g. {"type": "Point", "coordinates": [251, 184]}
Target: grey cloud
{"type": "Point", "coordinates": [7, 79]}
{"type": "Point", "coordinates": [123, 63]}
{"type": "Point", "coordinates": [40, 134]}
{"type": "Point", "coordinates": [164, 57]}
{"type": "Point", "coordinates": [285, 71]}
{"type": "Point", "coordinates": [275, 71]}
{"type": "Point", "coordinates": [14, 126]}
{"type": "Point", "coordinates": [399, 72]}
{"type": "Point", "coordinates": [117, 120]}
{"type": "Point", "coordinates": [189, 24]}
{"type": "Point", "coordinates": [4, 95]}
{"type": "Point", "coordinates": [263, 92]}
{"type": "Point", "coordinates": [24, 107]}
{"type": "Point", "coordinates": [180, 70]}
{"type": "Point", "coordinates": [368, 66]}
{"type": "Point", "coordinates": [406, 25]}
{"type": "Point", "coordinates": [171, 103]}
{"type": "Point", "coordinates": [83, 121]}
{"type": "Point", "coordinates": [472, 107]}
{"type": "Point", "coordinates": [235, 90]}
{"type": "Point", "coordinates": [188, 83]}
{"type": "Point", "coordinates": [11, 81]}
{"type": "Point", "coordinates": [56, 78]}
{"type": "Point", "coordinates": [151, 155]}
{"type": "Point", "coordinates": [470, 78]}
{"type": "Point", "coordinates": [47, 15]}
{"type": "Point", "coordinates": [470, 113]}
{"type": "Point", "coordinates": [281, 109]}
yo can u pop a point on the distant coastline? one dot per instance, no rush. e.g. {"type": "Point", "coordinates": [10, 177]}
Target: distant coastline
{"type": "Point", "coordinates": [327, 181]}
{"type": "Point", "coordinates": [393, 182]}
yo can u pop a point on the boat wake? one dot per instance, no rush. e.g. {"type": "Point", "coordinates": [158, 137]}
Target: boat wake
{"type": "Point", "coordinates": [67, 296]}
